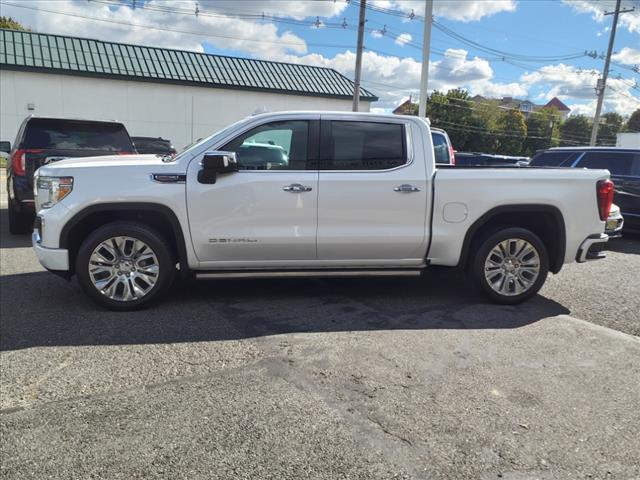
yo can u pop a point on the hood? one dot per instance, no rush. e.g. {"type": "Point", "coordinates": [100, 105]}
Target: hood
{"type": "Point", "coordinates": [108, 161]}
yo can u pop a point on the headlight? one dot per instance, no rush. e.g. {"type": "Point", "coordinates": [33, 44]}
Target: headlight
{"type": "Point", "coordinates": [50, 190]}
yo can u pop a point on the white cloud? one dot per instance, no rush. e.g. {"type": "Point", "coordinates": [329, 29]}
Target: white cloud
{"type": "Point", "coordinates": [393, 79]}
{"type": "Point", "coordinates": [458, 10]}
{"type": "Point", "coordinates": [597, 9]}
{"type": "Point", "coordinates": [569, 83]}
{"type": "Point", "coordinates": [170, 30]}
{"type": "Point", "coordinates": [376, 34]}
{"type": "Point", "coordinates": [628, 56]}
{"type": "Point", "coordinates": [403, 39]}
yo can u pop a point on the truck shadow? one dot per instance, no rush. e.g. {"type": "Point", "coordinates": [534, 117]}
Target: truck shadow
{"type": "Point", "coordinates": [39, 309]}
{"type": "Point", "coordinates": [629, 243]}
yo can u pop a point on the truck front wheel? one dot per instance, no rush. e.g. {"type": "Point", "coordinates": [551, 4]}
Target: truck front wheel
{"type": "Point", "coordinates": [125, 266]}
{"type": "Point", "coordinates": [510, 265]}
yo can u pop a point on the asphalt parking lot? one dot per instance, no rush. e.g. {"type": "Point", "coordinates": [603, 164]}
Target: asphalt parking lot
{"type": "Point", "coordinates": [371, 379]}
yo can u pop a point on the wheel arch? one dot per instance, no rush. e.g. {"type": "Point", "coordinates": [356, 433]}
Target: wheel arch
{"type": "Point", "coordinates": [155, 215]}
{"type": "Point", "coordinates": [546, 221]}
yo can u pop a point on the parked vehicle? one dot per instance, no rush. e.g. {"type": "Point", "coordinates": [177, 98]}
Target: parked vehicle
{"type": "Point", "coordinates": [491, 160]}
{"type": "Point", "coordinates": [5, 149]}
{"type": "Point", "coordinates": [442, 147]}
{"type": "Point", "coordinates": [623, 163]}
{"type": "Point", "coordinates": [153, 145]}
{"type": "Point", "coordinates": [43, 140]}
{"type": "Point", "coordinates": [360, 195]}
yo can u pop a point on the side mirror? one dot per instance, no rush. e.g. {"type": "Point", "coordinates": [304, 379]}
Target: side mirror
{"type": "Point", "coordinates": [5, 147]}
{"type": "Point", "coordinates": [215, 163]}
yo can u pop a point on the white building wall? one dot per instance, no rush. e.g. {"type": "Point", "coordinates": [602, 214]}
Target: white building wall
{"type": "Point", "coordinates": [180, 113]}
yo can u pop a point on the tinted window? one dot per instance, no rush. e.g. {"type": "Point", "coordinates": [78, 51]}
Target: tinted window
{"type": "Point", "coordinates": [440, 148]}
{"type": "Point", "coordinates": [363, 146]}
{"type": "Point", "coordinates": [153, 145]}
{"type": "Point", "coordinates": [554, 159]}
{"type": "Point", "coordinates": [617, 163]}
{"type": "Point", "coordinates": [77, 135]}
{"type": "Point", "coordinates": [273, 146]}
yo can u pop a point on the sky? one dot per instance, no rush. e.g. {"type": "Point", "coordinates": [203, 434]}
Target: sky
{"type": "Point", "coordinates": [526, 49]}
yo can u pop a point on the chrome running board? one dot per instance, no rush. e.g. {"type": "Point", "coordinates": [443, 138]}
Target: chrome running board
{"type": "Point", "coordinates": [308, 273]}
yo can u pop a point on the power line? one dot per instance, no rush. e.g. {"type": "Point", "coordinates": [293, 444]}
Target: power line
{"type": "Point", "coordinates": [188, 32]}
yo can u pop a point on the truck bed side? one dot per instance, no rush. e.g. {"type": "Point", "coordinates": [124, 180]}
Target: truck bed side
{"type": "Point", "coordinates": [465, 198]}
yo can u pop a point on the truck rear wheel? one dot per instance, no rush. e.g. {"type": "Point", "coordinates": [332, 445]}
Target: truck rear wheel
{"type": "Point", "coordinates": [510, 265]}
{"type": "Point", "coordinates": [125, 266]}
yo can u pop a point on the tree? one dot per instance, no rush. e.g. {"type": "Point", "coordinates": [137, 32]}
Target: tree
{"type": "Point", "coordinates": [633, 124]}
{"type": "Point", "coordinates": [576, 130]}
{"type": "Point", "coordinates": [542, 130]}
{"type": "Point", "coordinates": [610, 125]}
{"type": "Point", "coordinates": [512, 131]}
{"type": "Point", "coordinates": [11, 24]}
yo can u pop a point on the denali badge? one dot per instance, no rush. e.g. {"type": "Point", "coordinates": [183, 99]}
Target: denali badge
{"type": "Point", "coordinates": [233, 240]}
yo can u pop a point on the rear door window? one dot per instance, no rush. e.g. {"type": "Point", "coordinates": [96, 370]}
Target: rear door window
{"type": "Point", "coordinates": [554, 159]}
{"type": "Point", "coordinates": [618, 163]}
{"type": "Point", "coordinates": [440, 148]}
{"type": "Point", "coordinates": [52, 134]}
{"type": "Point", "coordinates": [362, 145]}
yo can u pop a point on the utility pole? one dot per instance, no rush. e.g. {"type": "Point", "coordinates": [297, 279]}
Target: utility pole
{"type": "Point", "coordinates": [602, 82]}
{"type": "Point", "coordinates": [356, 88]}
{"type": "Point", "coordinates": [426, 44]}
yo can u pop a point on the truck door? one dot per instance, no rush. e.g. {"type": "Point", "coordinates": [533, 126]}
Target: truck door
{"type": "Point", "coordinates": [266, 213]}
{"type": "Point", "coordinates": [373, 195]}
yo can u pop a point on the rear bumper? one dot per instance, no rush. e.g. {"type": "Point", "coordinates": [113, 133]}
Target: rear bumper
{"type": "Point", "coordinates": [56, 259]}
{"type": "Point", "coordinates": [584, 254]}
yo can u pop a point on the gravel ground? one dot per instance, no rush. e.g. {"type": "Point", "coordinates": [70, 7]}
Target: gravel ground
{"type": "Point", "coordinates": [371, 379]}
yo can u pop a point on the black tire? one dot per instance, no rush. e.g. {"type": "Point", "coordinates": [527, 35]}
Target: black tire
{"type": "Point", "coordinates": [154, 240]}
{"type": "Point", "coordinates": [481, 251]}
{"type": "Point", "coordinates": [19, 222]}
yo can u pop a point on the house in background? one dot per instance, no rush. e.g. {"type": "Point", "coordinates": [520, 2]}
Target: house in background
{"type": "Point", "coordinates": [507, 103]}
{"type": "Point", "coordinates": [527, 107]}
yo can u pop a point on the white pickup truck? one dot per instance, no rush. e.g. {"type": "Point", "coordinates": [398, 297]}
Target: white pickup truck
{"type": "Point", "coordinates": [311, 194]}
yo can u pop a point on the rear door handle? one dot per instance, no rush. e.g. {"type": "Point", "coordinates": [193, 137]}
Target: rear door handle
{"type": "Point", "coordinates": [296, 188]}
{"type": "Point", "coordinates": [406, 188]}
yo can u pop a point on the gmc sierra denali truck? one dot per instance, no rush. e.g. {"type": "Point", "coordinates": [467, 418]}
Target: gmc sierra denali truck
{"type": "Point", "coordinates": [311, 194]}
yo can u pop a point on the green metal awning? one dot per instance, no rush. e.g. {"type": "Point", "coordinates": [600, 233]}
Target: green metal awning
{"type": "Point", "coordinates": [82, 56]}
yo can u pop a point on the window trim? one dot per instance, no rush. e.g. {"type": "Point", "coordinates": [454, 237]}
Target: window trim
{"type": "Point", "coordinates": [313, 125]}
{"type": "Point", "coordinates": [408, 145]}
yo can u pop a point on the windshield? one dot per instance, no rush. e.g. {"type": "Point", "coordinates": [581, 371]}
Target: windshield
{"type": "Point", "coordinates": [196, 145]}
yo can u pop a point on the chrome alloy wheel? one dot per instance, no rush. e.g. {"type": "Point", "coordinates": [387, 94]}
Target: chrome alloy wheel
{"type": "Point", "coordinates": [123, 268]}
{"type": "Point", "coordinates": [512, 267]}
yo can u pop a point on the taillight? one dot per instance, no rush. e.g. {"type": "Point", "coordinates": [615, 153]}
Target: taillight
{"type": "Point", "coordinates": [18, 161]}
{"type": "Point", "coordinates": [452, 153]}
{"type": "Point", "coordinates": [605, 198]}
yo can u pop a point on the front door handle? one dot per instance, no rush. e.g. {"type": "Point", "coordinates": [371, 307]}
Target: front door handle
{"type": "Point", "coordinates": [296, 188]}
{"type": "Point", "coordinates": [406, 188]}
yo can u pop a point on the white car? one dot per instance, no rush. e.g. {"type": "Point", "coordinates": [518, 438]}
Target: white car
{"type": "Point", "coordinates": [359, 195]}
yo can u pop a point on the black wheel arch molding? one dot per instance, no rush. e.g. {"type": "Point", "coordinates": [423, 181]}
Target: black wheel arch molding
{"type": "Point", "coordinates": [66, 239]}
{"type": "Point", "coordinates": [556, 255]}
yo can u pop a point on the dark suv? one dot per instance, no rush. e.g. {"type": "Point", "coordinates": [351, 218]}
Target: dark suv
{"type": "Point", "coordinates": [42, 140]}
{"type": "Point", "coordinates": [622, 163]}
{"type": "Point", "coordinates": [155, 145]}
